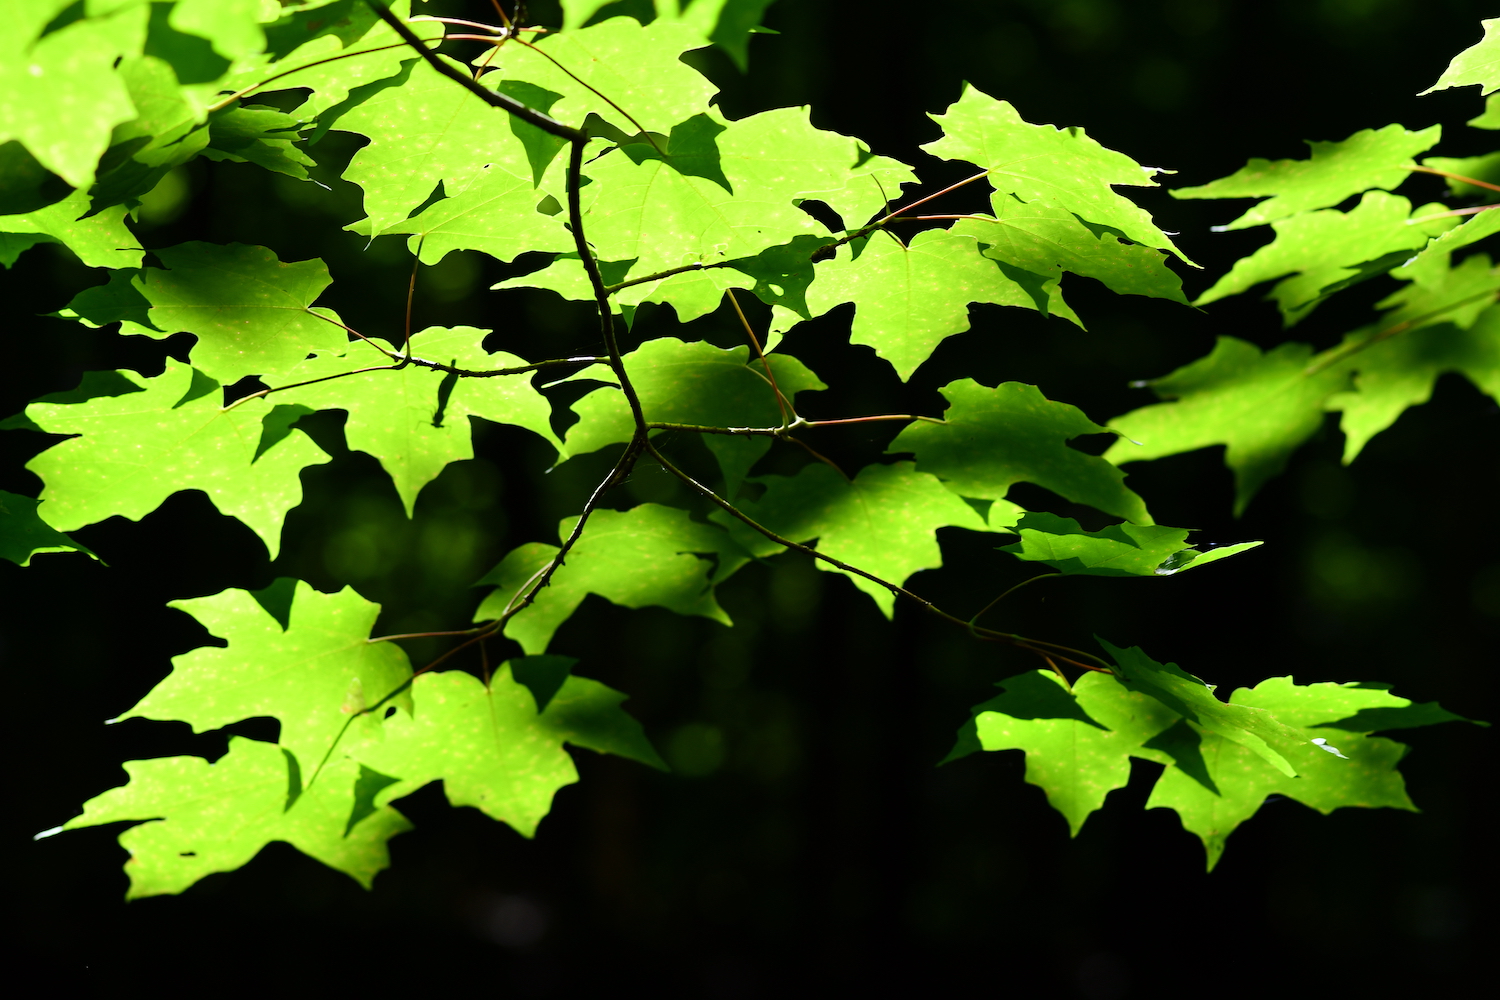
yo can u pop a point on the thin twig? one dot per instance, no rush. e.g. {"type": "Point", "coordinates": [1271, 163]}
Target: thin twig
{"type": "Point", "coordinates": [1334, 355]}
{"type": "Point", "coordinates": [1012, 590]}
{"type": "Point", "coordinates": [922, 201]}
{"type": "Point", "coordinates": [1458, 177]}
{"type": "Point", "coordinates": [1452, 213]}
{"type": "Point", "coordinates": [784, 404]}
{"type": "Point", "coordinates": [493, 98]}
{"type": "Point", "coordinates": [312, 381]}
{"type": "Point", "coordinates": [597, 92]}
{"type": "Point", "coordinates": [224, 102]}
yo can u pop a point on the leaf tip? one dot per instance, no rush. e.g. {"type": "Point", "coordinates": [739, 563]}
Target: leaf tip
{"type": "Point", "coordinates": [47, 833]}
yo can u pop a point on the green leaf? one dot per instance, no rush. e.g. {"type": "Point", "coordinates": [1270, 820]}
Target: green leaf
{"type": "Point", "coordinates": [166, 132]}
{"type": "Point", "coordinates": [1078, 742]}
{"type": "Point", "coordinates": [884, 521]}
{"type": "Point", "coordinates": [259, 135]}
{"type": "Point", "coordinates": [98, 240]}
{"type": "Point", "coordinates": [636, 68]}
{"type": "Point", "coordinates": [1255, 729]}
{"type": "Point", "coordinates": [910, 298]}
{"type": "Point", "coordinates": [1370, 158]}
{"type": "Point", "coordinates": [699, 384]}
{"type": "Point", "coordinates": [317, 676]}
{"type": "Point", "coordinates": [991, 439]}
{"type": "Point", "coordinates": [493, 750]}
{"type": "Point", "coordinates": [1340, 769]}
{"type": "Point", "coordinates": [1490, 119]}
{"type": "Point", "coordinates": [424, 129]}
{"type": "Point", "coordinates": [24, 534]}
{"type": "Point", "coordinates": [1324, 242]}
{"type": "Point", "coordinates": [250, 311]}
{"type": "Point", "coordinates": [1044, 240]}
{"type": "Point", "coordinates": [140, 448]}
{"type": "Point", "coordinates": [1062, 166]}
{"type": "Point", "coordinates": [494, 211]}
{"type": "Point", "coordinates": [1355, 706]}
{"type": "Point", "coordinates": [119, 300]}
{"type": "Point", "coordinates": [335, 51]}
{"type": "Point", "coordinates": [1260, 406]}
{"type": "Point", "coordinates": [1477, 64]}
{"type": "Point", "coordinates": [26, 185]}
{"type": "Point", "coordinates": [638, 557]}
{"type": "Point", "coordinates": [60, 94]}
{"type": "Point", "coordinates": [687, 208]}
{"type": "Point", "coordinates": [1118, 550]}
{"type": "Point", "coordinates": [1479, 226]}
{"type": "Point", "coordinates": [1484, 168]}
{"type": "Point", "coordinates": [414, 420]}
{"type": "Point", "coordinates": [215, 817]}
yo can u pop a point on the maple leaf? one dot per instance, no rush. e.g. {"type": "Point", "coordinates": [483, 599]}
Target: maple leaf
{"type": "Point", "coordinates": [214, 817]}
{"type": "Point", "coordinates": [1059, 165]}
{"type": "Point", "coordinates": [118, 300]}
{"type": "Point", "coordinates": [414, 420]}
{"type": "Point", "coordinates": [1260, 406]}
{"type": "Point", "coordinates": [637, 557]}
{"type": "Point", "coordinates": [991, 439]}
{"type": "Point", "coordinates": [139, 448]}
{"type": "Point", "coordinates": [260, 135]}
{"type": "Point", "coordinates": [618, 64]}
{"type": "Point", "coordinates": [910, 298]}
{"type": "Point", "coordinates": [1477, 64]}
{"type": "Point", "coordinates": [59, 93]}
{"type": "Point", "coordinates": [684, 209]}
{"type": "Point", "coordinates": [1044, 240]}
{"type": "Point", "coordinates": [423, 131]}
{"type": "Point", "coordinates": [250, 311]}
{"type": "Point", "coordinates": [884, 521]}
{"type": "Point", "coordinates": [493, 211]}
{"type": "Point", "coordinates": [165, 133]}
{"type": "Point", "coordinates": [1325, 243]}
{"type": "Point", "coordinates": [1370, 158]}
{"type": "Point", "coordinates": [24, 534]}
{"type": "Point", "coordinates": [1256, 730]}
{"type": "Point", "coordinates": [98, 240]}
{"type": "Point", "coordinates": [699, 384]}
{"type": "Point", "coordinates": [1214, 784]}
{"type": "Point", "coordinates": [315, 673]}
{"type": "Point", "coordinates": [1118, 550]}
{"type": "Point", "coordinates": [494, 748]}
{"type": "Point", "coordinates": [1078, 742]}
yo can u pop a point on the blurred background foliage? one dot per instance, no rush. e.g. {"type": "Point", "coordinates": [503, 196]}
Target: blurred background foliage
{"type": "Point", "coordinates": [807, 836]}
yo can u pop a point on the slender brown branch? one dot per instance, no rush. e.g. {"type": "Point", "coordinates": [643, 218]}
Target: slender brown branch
{"type": "Point", "coordinates": [493, 98]}
{"type": "Point", "coordinates": [924, 218]}
{"type": "Point", "coordinates": [312, 381]}
{"type": "Point", "coordinates": [597, 92]}
{"type": "Point", "coordinates": [659, 275]}
{"type": "Point", "coordinates": [517, 370]}
{"type": "Point", "coordinates": [1334, 355]}
{"type": "Point", "coordinates": [411, 291]}
{"type": "Point", "coordinates": [424, 635]}
{"type": "Point", "coordinates": [784, 404]}
{"type": "Point", "coordinates": [896, 589]}
{"type": "Point", "coordinates": [1457, 177]}
{"type": "Point", "coordinates": [1012, 590]}
{"type": "Point", "coordinates": [1452, 213]}
{"type": "Point", "coordinates": [922, 201]}
{"type": "Point", "coordinates": [350, 330]}
{"type": "Point", "coordinates": [815, 453]}
{"type": "Point", "coordinates": [224, 102]}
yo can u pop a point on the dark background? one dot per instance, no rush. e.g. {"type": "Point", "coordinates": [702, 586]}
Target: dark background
{"type": "Point", "coordinates": [809, 842]}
